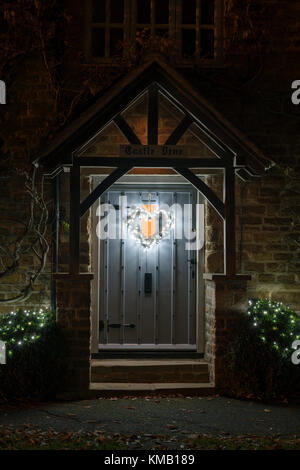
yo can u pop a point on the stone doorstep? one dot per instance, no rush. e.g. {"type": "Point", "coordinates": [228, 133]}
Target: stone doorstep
{"type": "Point", "coordinates": [149, 371]}
{"type": "Point", "coordinates": [205, 388]}
{"type": "Point", "coordinates": [145, 362]}
{"type": "Point", "coordinates": [150, 378]}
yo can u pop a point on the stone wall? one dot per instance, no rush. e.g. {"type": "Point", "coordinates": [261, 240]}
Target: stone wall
{"type": "Point", "coordinates": [214, 245]}
{"type": "Point", "coordinates": [225, 300]}
{"type": "Point", "coordinates": [14, 208]}
{"type": "Point", "coordinates": [266, 238]}
{"type": "Point", "coordinates": [268, 251]}
{"type": "Point", "coordinates": [73, 317]}
{"type": "Point", "coordinates": [252, 92]}
{"type": "Point", "coordinates": [24, 121]}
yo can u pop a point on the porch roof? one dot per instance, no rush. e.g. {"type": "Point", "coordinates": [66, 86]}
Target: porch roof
{"type": "Point", "coordinates": [215, 128]}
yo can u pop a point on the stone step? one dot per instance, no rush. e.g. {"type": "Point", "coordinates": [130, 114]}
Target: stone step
{"type": "Point", "coordinates": [149, 371]}
{"type": "Point", "coordinates": [104, 388]}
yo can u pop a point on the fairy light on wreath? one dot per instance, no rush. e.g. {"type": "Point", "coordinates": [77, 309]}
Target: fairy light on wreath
{"type": "Point", "coordinates": [134, 221]}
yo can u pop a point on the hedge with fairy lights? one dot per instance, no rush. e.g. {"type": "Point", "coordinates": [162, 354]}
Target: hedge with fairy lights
{"type": "Point", "coordinates": [276, 324]}
{"type": "Point", "coordinates": [23, 327]}
{"type": "Point", "coordinates": [34, 348]}
{"type": "Point", "coordinates": [262, 349]}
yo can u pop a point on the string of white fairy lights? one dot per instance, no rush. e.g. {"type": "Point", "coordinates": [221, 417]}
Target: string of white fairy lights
{"type": "Point", "coordinates": [21, 327]}
{"type": "Point", "coordinates": [134, 223]}
{"type": "Point", "coordinates": [277, 324]}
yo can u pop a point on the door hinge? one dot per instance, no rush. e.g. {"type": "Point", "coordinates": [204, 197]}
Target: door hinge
{"type": "Point", "coordinates": [115, 325]}
{"type": "Point", "coordinates": [118, 325]}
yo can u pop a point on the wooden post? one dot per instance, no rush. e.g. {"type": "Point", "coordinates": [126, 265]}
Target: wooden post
{"type": "Point", "coordinates": [74, 218]}
{"type": "Point", "coordinates": [229, 222]}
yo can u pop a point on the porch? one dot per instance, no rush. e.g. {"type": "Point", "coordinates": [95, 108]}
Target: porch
{"type": "Point", "coordinates": [218, 150]}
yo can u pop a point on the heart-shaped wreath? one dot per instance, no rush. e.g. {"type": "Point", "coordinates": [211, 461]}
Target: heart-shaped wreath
{"type": "Point", "coordinates": [134, 224]}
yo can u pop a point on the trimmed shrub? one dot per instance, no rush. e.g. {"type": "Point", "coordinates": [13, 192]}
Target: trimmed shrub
{"type": "Point", "coordinates": [262, 349]}
{"type": "Point", "coordinates": [34, 353]}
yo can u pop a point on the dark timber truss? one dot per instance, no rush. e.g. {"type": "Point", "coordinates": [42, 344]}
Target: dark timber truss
{"type": "Point", "coordinates": [233, 153]}
{"type": "Point", "coordinates": [182, 166]}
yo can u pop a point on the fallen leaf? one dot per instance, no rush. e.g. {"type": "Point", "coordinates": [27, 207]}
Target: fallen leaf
{"type": "Point", "coordinates": [171, 426]}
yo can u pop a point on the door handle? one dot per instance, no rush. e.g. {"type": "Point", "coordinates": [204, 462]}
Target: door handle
{"type": "Point", "coordinates": [148, 283]}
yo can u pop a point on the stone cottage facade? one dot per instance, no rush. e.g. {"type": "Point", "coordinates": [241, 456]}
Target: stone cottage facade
{"type": "Point", "coordinates": [223, 72]}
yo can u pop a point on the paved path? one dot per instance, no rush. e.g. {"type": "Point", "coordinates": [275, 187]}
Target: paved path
{"type": "Point", "coordinates": [205, 415]}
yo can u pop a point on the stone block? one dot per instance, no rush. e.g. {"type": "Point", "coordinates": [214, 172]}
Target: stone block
{"type": "Point", "coordinates": [254, 266]}
{"type": "Point", "coordinates": [286, 278]}
{"type": "Point", "coordinates": [276, 267]}
{"type": "Point", "coordinates": [266, 277]}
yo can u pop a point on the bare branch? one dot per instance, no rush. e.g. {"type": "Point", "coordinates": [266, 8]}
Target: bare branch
{"type": "Point", "coordinates": [32, 240]}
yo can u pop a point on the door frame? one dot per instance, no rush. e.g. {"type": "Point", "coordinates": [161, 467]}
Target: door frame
{"type": "Point", "coordinates": [134, 180]}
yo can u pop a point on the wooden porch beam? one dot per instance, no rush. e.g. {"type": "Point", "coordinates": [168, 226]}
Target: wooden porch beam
{"type": "Point", "coordinates": [126, 130]}
{"type": "Point", "coordinates": [229, 222]}
{"type": "Point", "coordinates": [74, 247]}
{"type": "Point", "coordinates": [101, 188]}
{"type": "Point", "coordinates": [153, 115]}
{"type": "Point", "coordinates": [208, 193]}
{"type": "Point", "coordinates": [179, 130]}
{"type": "Point", "coordinates": [211, 144]}
{"type": "Point", "coordinates": [150, 162]}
